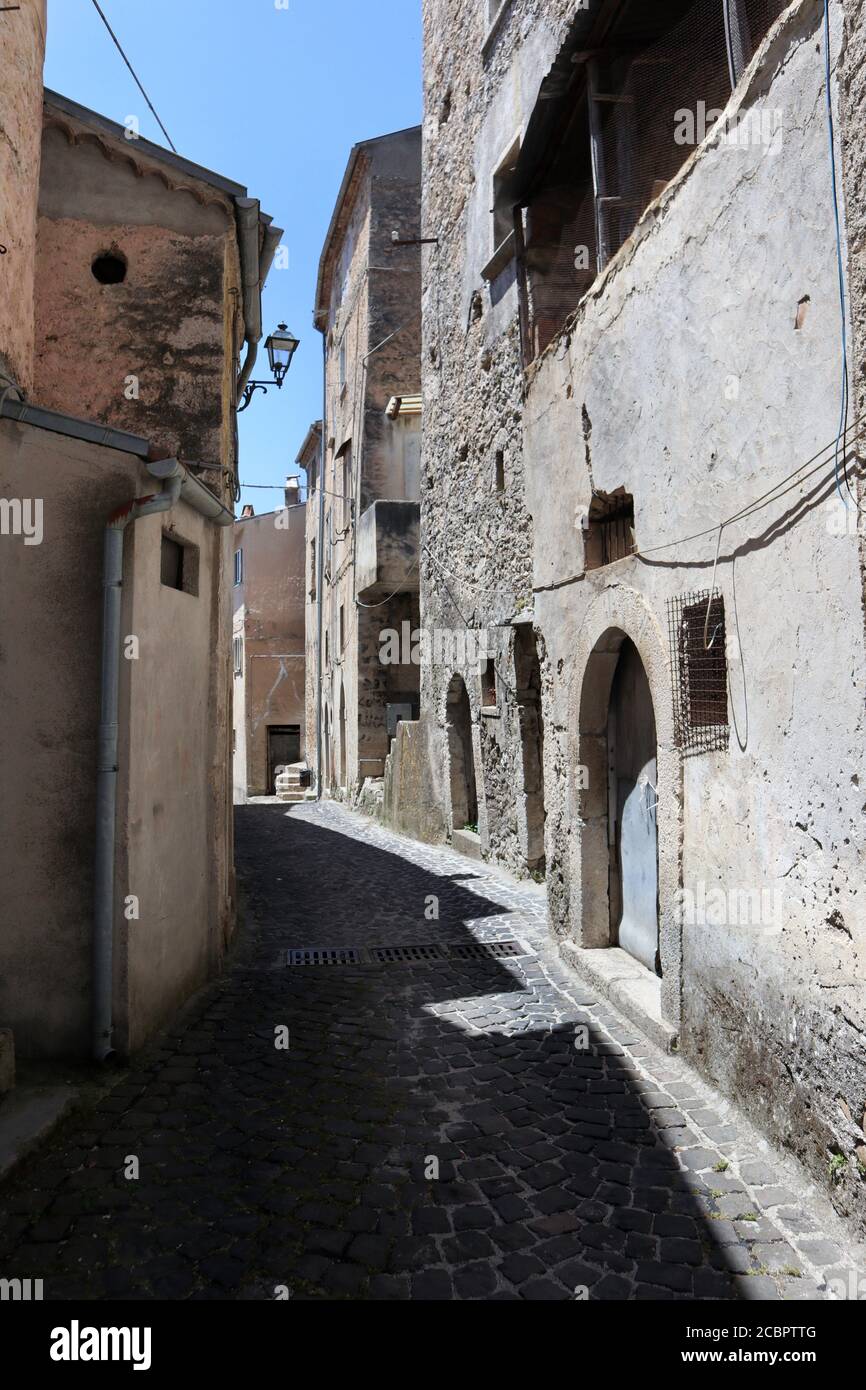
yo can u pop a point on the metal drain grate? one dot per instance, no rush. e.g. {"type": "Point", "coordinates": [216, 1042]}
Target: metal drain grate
{"type": "Point", "coordinates": [484, 950]}
{"type": "Point", "coordinates": [428, 953]}
{"type": "Point", "coordinates": [324, 955]}
{"type": "Point", "coordinates": [387, 955]}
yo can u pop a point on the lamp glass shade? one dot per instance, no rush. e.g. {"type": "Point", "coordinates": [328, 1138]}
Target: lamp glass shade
{"type": "Point", "coordinates": [281, 346]}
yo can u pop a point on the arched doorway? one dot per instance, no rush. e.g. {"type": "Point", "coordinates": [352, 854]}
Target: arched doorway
{"type": "Point", "coordinates": [461, 761]}
{"type": "Point", "coordinates": [632, 815]}
{"type": "Point", "coordinates": [618, 802]}
{"type": "Point", "coordinates": [527, 667]}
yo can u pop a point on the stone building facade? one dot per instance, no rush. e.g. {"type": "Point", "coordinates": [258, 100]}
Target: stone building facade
{"type": "Point", "coordinates": [135, 302]}
{"type": "Point", "coordinates": [632, 332]}
{"type": "Point", "coordinates": [362, 517]}
{"type": "Point", "coordinates": [268, 658]}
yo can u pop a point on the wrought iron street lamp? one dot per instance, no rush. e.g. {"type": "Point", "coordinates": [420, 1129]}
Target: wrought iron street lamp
{"type": "Point", "coordinates": [281, 348]}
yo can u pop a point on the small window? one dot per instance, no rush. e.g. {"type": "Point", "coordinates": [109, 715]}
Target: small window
{"type": "Point", "coordinates": [342, 626]}
{"type": "Point", "coordinates": [489, 698]}
{"type": "Point", "coordinates": [171, 564]}
{"type": "Point", "coordinates": [238, 655]}
{"type": "Point", "coordinates": [609, 529]}
{"type": "Point", "coordinates": [499, 471]}
{"type": "Point", "coordinates": [239, 567]}
{"type": "Point", "coordinates": [345, 488]}
{"type": "Point", "coordinates": [312, 569]}
{"type": "Point", "coordinates": [700, 671]}
{"type": "Point", "coordinates": [327, 650]}
{"type": "Point", "coordinates": [178, 564]}
{"type": "Point", "coordinates": [342, 367]}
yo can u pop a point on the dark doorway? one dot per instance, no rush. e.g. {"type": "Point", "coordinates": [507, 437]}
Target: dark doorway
{"type": "Point", "coordinates": [344, 779]}
{"type": "Point", "coordinates": [461, 760]}
{"type": "Point", "coordinates": [284, 748]}
{"type": "Point", "coordinates": [632, 797]}
{"type": "Point", "coordinates": [528, 671]}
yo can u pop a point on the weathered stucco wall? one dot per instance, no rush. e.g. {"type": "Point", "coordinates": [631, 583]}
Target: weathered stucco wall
{"type": "Point", "coordinates": [22, 49]}
{"type": "Point", "coordinates": [774, 1011]}
{"type": "Point", "coordinates": [152, 349]}
{"type": "Point", "coordinates": [175, 856]}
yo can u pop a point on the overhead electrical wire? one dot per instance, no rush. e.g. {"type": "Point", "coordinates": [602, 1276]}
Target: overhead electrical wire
{"type": "Point", "coordinates": [102, 16]}
{"type": "Point", "coordinates": [785, 485]}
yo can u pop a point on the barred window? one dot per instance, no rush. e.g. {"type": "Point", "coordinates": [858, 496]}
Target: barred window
{"type": "Point", "coordinates": [699, 671]}
{"type": "Point", "coordinates": [609, 532]}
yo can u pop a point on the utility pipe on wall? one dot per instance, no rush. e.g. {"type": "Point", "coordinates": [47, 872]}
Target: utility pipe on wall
{"type": "Point", "coordinates": [177, 483]}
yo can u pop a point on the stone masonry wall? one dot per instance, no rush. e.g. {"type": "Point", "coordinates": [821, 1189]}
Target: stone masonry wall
{"type": "Point", "coordinates": [708, 290]}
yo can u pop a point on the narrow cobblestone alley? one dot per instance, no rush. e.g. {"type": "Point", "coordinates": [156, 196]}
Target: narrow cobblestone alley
{"type": "Point", "coordinates": [563, 1171]}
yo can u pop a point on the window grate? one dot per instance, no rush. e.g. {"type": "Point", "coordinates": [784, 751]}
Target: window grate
{"type": "Point", "coordinates": [699, 673]}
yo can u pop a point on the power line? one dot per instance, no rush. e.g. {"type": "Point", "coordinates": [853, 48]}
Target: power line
{"type": "Point", "coordinates": [793, 480]}
{"type": "Point", "coordinates": [101, 14]}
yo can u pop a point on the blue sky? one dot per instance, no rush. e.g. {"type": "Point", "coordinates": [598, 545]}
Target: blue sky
{"type": "Point", "coordinates": [275, 99]}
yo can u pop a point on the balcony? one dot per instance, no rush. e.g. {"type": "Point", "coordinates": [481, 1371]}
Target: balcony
{"type": "Point", "coordinates": [387, 554]}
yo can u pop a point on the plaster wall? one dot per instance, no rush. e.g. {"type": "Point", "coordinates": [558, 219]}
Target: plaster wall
{"type": "Point", "coordinates": [173, 850]}
{"type": "Point", "coordinates": [152, 351]}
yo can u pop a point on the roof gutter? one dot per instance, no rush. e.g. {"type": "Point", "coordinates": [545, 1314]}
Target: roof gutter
{"type": "Point", "coordinates": [258, 240]}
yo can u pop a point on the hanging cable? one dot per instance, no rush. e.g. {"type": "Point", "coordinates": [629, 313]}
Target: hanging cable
{"type": "Point", "coordinates": [400, 590]}
{"type": "Point", "coordinates": [101, 14]}
{"type": "Point", "coordinates": [785, 485]}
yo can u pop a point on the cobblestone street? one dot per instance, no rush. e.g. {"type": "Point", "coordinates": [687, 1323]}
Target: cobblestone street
{"type": "Point", "coordinates": [563, 1171]}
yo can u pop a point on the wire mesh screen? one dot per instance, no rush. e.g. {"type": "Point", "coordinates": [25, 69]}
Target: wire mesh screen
{"type": "Point", "coordinates": [699, 671]}
{"type": "Point", "coordinates": [561, 251]}
{"type": "Point", "coordinates": [650, 95]}
{"type": "Point", "coordinates": [632, 117]}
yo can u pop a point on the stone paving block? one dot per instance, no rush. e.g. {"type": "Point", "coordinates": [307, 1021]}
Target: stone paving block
{"type": "Point", "coordinates": [557, 1170]}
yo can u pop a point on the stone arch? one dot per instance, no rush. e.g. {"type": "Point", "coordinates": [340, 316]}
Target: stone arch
{"type": "Point", "coordinates": [618, 614]}
{"type": "Point", "coordinates": [461, 758]}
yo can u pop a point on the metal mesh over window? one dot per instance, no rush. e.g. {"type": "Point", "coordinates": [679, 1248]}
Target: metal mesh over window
{"type": "Point", "coordinates": [699, 671]}
{"type": "Point", "coordinates": [632, 115]}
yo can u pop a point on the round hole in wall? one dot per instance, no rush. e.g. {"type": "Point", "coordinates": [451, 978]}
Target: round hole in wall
{"type": "Point", "coordinates": [109, 268]}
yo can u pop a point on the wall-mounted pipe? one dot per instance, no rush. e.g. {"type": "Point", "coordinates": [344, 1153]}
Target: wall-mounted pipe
{"type": "Point", "coordinates": [177, 484]}
{"type": "Point", "coordinates": [258, 240]}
